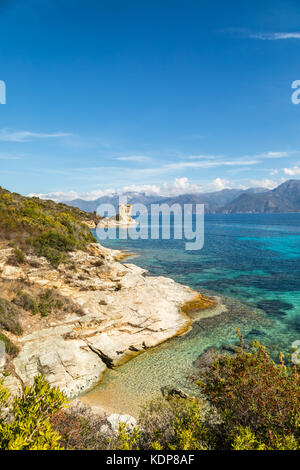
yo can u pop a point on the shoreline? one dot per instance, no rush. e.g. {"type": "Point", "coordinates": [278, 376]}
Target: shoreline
{"type": "Point", "coordinates": [127, 389]}
{"type": "Point", "coordinates": [124, 313]}
{"type": "Point", "coordinates": [98, 399]}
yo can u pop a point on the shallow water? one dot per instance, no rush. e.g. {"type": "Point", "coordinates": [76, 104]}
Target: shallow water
{"type": "Point", "coordinates": [254, 260]}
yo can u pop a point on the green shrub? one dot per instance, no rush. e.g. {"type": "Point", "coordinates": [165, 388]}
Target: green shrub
{"type": "Point", "coordinates": [55, 239]}
{"type": "Point", "coordinates": [10, 348]}
{"type": "Point", "coordinates": [45, 302]}
{"type": "Point", "coordinates": [42, 227]}
{"type": "Point", "coordinates": [27, 302]}
{"type": "Point", "coordinates": [55, 257]}
{"type": "Point", "coordinates": [170, 424]}
{"type": "Point", "coordinates": [245, 439]}
{"type": "Point", "coordinates": [49, 303]}
{"type": "Point", "coordinates": [254, 395]}
{"type": "Point", "coordinates": [17, 257]}
{"type": "Point", "coordinates": [9, 315]}
{"type": "Point", "coordinates": [30, 428]}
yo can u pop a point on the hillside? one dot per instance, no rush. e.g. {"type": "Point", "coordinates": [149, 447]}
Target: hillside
{"type": "Point", "coordinates": [42, 227]}
{"type": "Point", "coordinates": [68, 309]}
{"type": "Point", "coordinates": [284, 198]}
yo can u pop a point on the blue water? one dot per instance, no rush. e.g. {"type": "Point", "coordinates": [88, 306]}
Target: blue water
{"type": "Point", "coordinates": [253, 260]}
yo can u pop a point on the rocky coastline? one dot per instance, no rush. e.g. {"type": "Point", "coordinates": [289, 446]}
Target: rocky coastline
{"type": "Point", "coordinates": [120, 311]}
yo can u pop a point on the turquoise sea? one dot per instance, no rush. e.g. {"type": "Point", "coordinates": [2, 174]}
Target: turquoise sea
{"type": "Point", "coordinates": [253, 262]}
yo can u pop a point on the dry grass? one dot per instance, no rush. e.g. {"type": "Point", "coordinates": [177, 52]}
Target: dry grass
{"type": "Point", "coordinates": [36, 306]}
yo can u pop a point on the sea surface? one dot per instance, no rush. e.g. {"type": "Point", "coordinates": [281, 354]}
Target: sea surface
{"type": "Point", "coordinates": [252, 261]}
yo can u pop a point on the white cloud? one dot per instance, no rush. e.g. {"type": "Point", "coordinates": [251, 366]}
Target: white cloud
{"type": "Point", "coordinates": [183, 165]}
{"type": "Point", "coordinates": [276, 154]}
{"type": "Point", "coordinates": [292, 171]}
{"type": "Point", "coordinates": [275, 36]}
{"type": "Point", "coordinates": [211, 161]}
{"type": "Point", "coordinates": [25, 136]}
{"type": "Point", "coordinates": [209, 164]}
{"type": "Point", "coordinates": [134, 158]}
{"type": "Point", "coordinates": [264, 183]}
{"type": "Point", "coordinates": [217, 185]}
{"type": "Point", "coordinates": [205, 157]}
{"type": "Point", "coordinates": [59, 196]}
{"type": "Point", "coordinates": [179, 186]}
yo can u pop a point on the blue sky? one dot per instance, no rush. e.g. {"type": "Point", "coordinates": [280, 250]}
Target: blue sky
{"type": "Point", "coordinates": [164, 96]}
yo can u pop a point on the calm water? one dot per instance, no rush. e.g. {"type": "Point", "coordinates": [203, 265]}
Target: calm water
{"type": "Point", "coordinates": [253, 261]}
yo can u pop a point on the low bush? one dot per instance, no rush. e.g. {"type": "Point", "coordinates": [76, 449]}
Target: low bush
{"type": "Point", "coordinates": [29, 427]}
{"type": "Point", "coordinates": [17, 257]}
{"type": "Point", "coordinates": [27, 302]}
{"type": "Point", "coordinates": [9, 317]}
{"type": "Point", "coordinates": [10, 348]}
{"type": "Point", "coordinates": [256, 397]}
{"type": "Point", "coordinates": [49, 303]}
{"type": "Point", "coordinates": [81, 430]}
{"type": "Point", "coordinates": [45, 302]}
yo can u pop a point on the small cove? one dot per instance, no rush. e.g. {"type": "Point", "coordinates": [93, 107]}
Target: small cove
{"type": "Point", "coordinates": [251, 262]}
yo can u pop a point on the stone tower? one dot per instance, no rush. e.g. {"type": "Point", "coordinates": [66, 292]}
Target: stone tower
{"type": "Point", "coordinates": [125, 213]}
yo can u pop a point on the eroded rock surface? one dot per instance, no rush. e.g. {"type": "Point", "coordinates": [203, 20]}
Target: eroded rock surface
{"type": "Point", "coordinates": [123, 311]}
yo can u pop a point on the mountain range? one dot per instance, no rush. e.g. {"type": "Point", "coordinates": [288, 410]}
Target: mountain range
{"type": "Point", "coordinates": [284, 198]}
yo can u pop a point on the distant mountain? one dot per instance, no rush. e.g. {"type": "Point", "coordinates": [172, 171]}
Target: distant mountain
{"type": "Point", "coordinates": [213, 201]}
{"type": "Point", "coordinates": [132, 198]}
{"type": "Point", "coordinates": [284, 198]}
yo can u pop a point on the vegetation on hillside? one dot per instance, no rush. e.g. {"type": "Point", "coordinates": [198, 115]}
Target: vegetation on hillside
{"type": "Point", "coordinates": [20, 297]}
{"type": "Point", "coordinates": [45, 302]}
{"type": "Point", "coordinates": [9, 317]}
{"type": "Point", "coordinates": [251, 403]}
{"type": "Point", "coordinates": [42, 227]}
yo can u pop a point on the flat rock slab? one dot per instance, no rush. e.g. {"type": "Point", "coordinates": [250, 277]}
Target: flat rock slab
{"type": "Point", "coordinates": [123, 310]}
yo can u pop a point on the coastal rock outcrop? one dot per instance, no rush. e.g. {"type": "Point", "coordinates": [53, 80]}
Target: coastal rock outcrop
{"type": "Point", "coordinates": [123, 311]}
{"type": "Point", "coordinates": [122, 219]}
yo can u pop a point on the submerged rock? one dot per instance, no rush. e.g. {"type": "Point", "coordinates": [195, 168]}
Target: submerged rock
{"type": "Point", "coordinates": [207, 358]}
{"type": "Point", "coordinates": [211, 354]}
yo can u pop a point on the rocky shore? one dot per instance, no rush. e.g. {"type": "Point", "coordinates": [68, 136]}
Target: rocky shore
{"type": "Point", "coordinates": [120, 312]}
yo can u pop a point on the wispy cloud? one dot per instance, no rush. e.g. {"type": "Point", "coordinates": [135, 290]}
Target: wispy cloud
{"type": "Point", "coordinates": [209, 164]}
{"type": "Point", "coordinates": [211, 161]}
{"type": "Point", "coordinates": [277, 154]}
{"type": "Point", "coordinates": [275, 36]}
{"type": "Point", "coordinates": [205, 157]}
{"type": "Point", "coordinates": [134, 158]}
{"type": "Point", "coordinates": [25, 136]}
{"type": "Point", "coordinates": [7, 156]}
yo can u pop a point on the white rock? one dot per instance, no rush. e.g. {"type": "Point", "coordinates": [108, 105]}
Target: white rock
{"type": "Point", "coordinates": [116, 419]}
{"type": "Point", "coordinates": [123, 311]}
{"type": "Point", "coordinates": [12, 384]}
